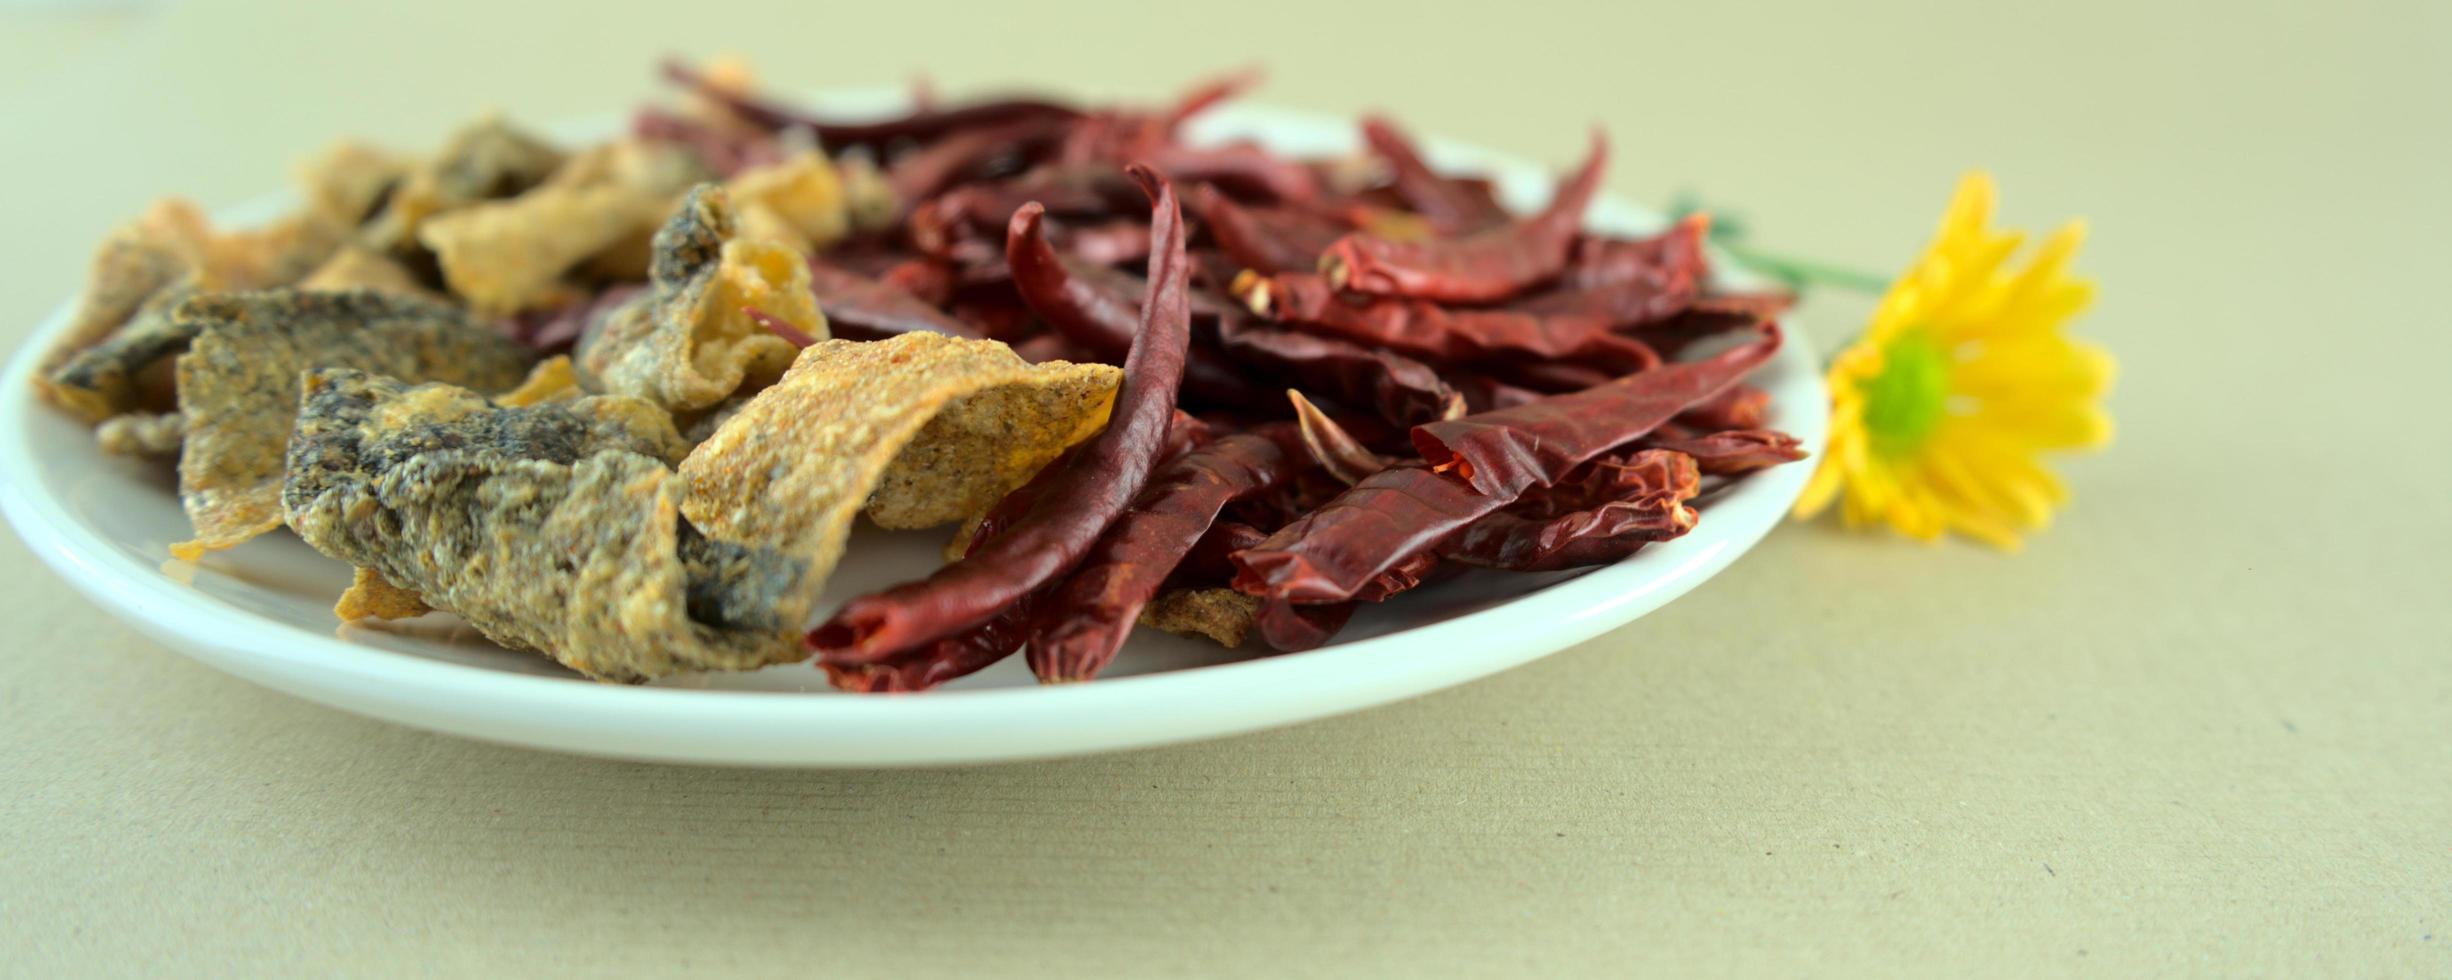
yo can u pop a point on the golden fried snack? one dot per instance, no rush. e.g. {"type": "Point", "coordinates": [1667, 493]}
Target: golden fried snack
{"type": "Point", "coordinates": [370, 596]}
{"type": "Point", "coordinates": [552, 527]}
{"type": "Point", "coordinates": [135, 262]}
{"type": "Point", "coordinates": [553, 379]}
{"type": "Point", "coordinates": [511, 254]}
{"type": "Point", "coordinates": [1224, 615]}
{"type": "Point", "coordinates": [688, 343]}
{"type": "Point", "coordinates": [145, 435]}
{"type": "Point", "coordinates": [348, 180]}
{"type": "Point", "coordinates": [238, 385]}
{"type": "Point", "coordinates": [804, 191]}
{"type": "Point", "coordinates": [143, 272]}
{"type": "Point", "coordinates": [355, 266]}
{"type": "Point", "coordinates": [485, 160]}
{"type": "Point", "coordinates": [920, 430]}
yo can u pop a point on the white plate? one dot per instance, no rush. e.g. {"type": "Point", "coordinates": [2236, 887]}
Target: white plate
{"type": "Point", "coordinates": [263, 611]}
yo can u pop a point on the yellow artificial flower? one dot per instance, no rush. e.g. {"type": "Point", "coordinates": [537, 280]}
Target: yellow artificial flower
{"type": "Point", "coordinates": [1942, 408]}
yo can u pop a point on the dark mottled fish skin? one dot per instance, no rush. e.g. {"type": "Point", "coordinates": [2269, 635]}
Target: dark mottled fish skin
{"type": "Point", "coordinates": [238, 384]}
{"type": "Point", "coordinates": [552, 527]}
{"type": "Point", "coordinates": [736, 586]}
{"type": "Point", "coordinates": [658, 345]}
{"type": "Point", "coordinates": [133, 266]}
{"type": "Point", "coordinates": [691, 245]}
{"type": "Point", "coordinates": [485, 160]}
{"type": "Point", "coordinates": [99, 380]}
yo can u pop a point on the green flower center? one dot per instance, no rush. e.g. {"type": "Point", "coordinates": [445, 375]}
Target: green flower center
{"type": "Point", "coordinates": [1908, 400]}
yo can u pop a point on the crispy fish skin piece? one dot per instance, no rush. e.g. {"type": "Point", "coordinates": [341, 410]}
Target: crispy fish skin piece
{"type": "Point", "coordinates": [355, 266]}
{"type": "Point", "coordinates": [1224, 615]}
{"type": "Point", "coordinates": [804, 191]}
{"type": "Point", "coordinates": [348, 180]}
{"type": "Point", "coordinates": [238, 385]}
{"type": "Point", "coordinates": [277, 254]}
{"type": "Point", "coordinates": [141, 273]}
{"type": "Point", "coordinates": [101, 381]}
{"type": "Point", "coordinates": [686, 344]}
{"type": "Point", "coordinates": [920, 430]}
{"type": "Point", "coordinates": [508, 255]}
{"type": "Point", "coordinates": [145, 435]}
{"type": "Point", "coordinates": [553, 527]}
{"type": "Point", "coordinates": [868, 197]}
{"type": "Point", "coordinates": [552, 380]}
{"type": "Point", "coordinates": [759, 223]}
{"type": "Point", "coordinates": [486, 159]}
{"type": "Point", "coordinates": [136, 261]}
{"type": "Point", "coordinates": [370, 596]}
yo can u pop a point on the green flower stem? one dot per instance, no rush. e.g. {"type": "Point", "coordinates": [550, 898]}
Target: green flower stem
{"type": "Point", "coordinates": [1799, 273]}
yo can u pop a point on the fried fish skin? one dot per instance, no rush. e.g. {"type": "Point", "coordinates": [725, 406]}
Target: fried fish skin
{"type": "Point", "coordinates": [1224, 615]}
{"type": "Point", "coordinates": [511, 254]}
{"type": "Point", "coordinates": [484, 160]}
{"type": "Point", "coordinates": [100, 382]}
{"type": "Point", "coordinates": [146, 435]}
{"type": "Point", "coordinates": [348, 180]}
{"type": "Point", "coordinates": [804, 191]}
{"type": "Point", "coordinates": [553, 527]}
{"type": "Point", "coordinates": [918, 430]}
{"type": "Point", "coordinates": [143, 272]}
{"type": "Point", "coordinates": [686, 344]}
{"type": "Point", "coordinates": [355, 266]}
{"type": "Point", "coordinates": [371, 596]}
{"type": "Point", "coordinates": [238, 385]}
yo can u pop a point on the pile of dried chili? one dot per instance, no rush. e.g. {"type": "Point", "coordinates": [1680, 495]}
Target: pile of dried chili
{"type": "Point", "coordinates": [1342, 378]}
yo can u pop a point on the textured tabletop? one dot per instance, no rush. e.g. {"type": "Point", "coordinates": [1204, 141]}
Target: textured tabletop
{"type": "Point", "coordinates": [2202, 726]}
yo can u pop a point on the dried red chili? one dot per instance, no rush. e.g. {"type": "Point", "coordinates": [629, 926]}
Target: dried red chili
{"type": "Point", "coordinates": [1112, 243]}
{"type": "Point", "coordinates": [971, 212]}
{"type": "Point", "coordinates": [836, 136]}
{"type": "Point", "coordinates": [1080, 624]}
{"type": "Point", "coordinates": [1425, 329]}
{"type": "Point", "coordinates": [1645, 501]}
{"type": "Point", "coordinates": [1483, 393]}
{"type": "Point", "coordinates": [1272, 241]}
{"type": "Point", "coordinates": [866, 309]}
{"type": "Point", "coordinates": [1335, 449]}
{"type": "Point", "coordinates": [1241, 168]}
{"type": "Point", "coordinates": [1451, 207]}
{"type": "Point", "coordinates": [1673, 256]}
{"type": "Point", "coordinates": [727, 151]}
{"type": "Point", "coordinates": [1503, 452]}
{"type": "Point", "coordinates": [1397, 388]}
{"type": "Point", "coordinates": [1092, 311]}
{"type": "Point", "coordinates": [1084, 499]}
{"type": "Point", "coordinates": [1330, 554]}
{"type": "Point", "coordinates": [1289, 628]}
{"type": "Point", "coordinates": [1416, 570]}
{"type": "Point", "coordinates": [1045, 347]}
{"type": "Point", "coordinates": [778, 326]}
{"type": "Point", "coordinates": [1734, 451]}
{"type": "Point", "coordinates": [1627, 354]}
{"type": "Point", "coordinates": [1698, 323]}
{"type": "Point", "coordinates": [1207, 564]}
{"type": "Point", "coordinates": [1481, 267]}
{"type": "Point", "coordinates": [1479, 464]}
{"type": "Point", "coordinates": [1122, 135]}
{"type": "Point", "coordinates": [987, 152]}
{"type": "Point", "coordinates": [1740, 407]}
{"type": "Point", "coordinates": [968, 652]}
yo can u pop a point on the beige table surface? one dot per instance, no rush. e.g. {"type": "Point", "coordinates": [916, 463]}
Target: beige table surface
{"type": "Point", "coordinates": [2202, 727]}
